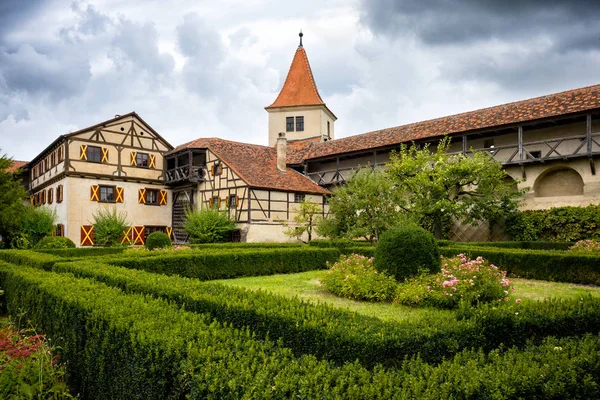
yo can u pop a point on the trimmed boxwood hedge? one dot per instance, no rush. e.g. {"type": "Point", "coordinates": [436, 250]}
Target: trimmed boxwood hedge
{"type": "Point", "coordinates": [132, 346]}
{"type": "Point", "coordinates": [342, 336]}
{"type": "Point", "coordinates": [230, 264]}
{"type": "Point", "coordinates": [83, 251]}
{"type": "Point", "coordinates": [557, 266]}
{"type": "Point", "coordinates": [511, 245]}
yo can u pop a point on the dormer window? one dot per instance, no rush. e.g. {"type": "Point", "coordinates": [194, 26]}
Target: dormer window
{"type": "Point", "coordinates": [299, 124]}
{"type": "Point", "coordinates": [289, 124]}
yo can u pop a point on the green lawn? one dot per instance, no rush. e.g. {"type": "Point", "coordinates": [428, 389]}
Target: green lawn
{"type": "Point", "coordinates": [306, 286]}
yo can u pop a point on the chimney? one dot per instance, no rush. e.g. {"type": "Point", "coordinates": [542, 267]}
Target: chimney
{"type": "Point", "coordinates": [281, 151]}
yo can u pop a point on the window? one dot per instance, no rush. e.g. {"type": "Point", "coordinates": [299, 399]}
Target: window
{"type": "Point", "coordinates": [328, 130]}
{"type": "Point", "coordinates": [298, 197]}
{"type": "Point", "coordinates": [151, 229]}
{"type": "Point", "coordinates": [214, 202]}
{"type": "Point", "coordinates": [60, 230]}
{"type": "Point", "coordinates": [218, 168]}
{"type": "Point", "coordinates": [299, 124]}
{"type": "Point", "coordinates": [152, 197]}
{"type": "Point", "coordinates": [107, 194]}
{"type": "Point", "coordinates": [232, 201]}
{"type": "Point", "coordinates": [289, 124]}
{"type": "Point", "coordinates": [59, 194]}
{"type": "Point", "coordinates": [94, 154]}
{"type": "Point", "coordinates": [141, 160]}
{"type": "Point", "coordinates": [536, 154]}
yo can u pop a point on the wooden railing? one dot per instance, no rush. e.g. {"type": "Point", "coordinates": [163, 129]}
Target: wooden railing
{"type": "Point", "coordinates": [539, 151]}
{"type": "Point", "coordinates": [185, 173]}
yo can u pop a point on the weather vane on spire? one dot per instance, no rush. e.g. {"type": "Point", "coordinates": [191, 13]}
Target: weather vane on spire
{"type": "Point", "coordinates": [300, 34]}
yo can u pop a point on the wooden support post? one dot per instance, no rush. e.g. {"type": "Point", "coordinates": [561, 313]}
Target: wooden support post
{"type": "Point", "coordinates": [588, 133]}
{"type": "Point", "coordinates": [465, 148]}
{"type": "Point", "coordinates": [374, 158]}
{"type": "Point", "coordinates": [520, 141]}
{"type": "Point", "coordinates": [337, 169]}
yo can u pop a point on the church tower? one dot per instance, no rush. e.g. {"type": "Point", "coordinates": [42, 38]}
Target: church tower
{"type": "Point", "coordinates": [299, 110]}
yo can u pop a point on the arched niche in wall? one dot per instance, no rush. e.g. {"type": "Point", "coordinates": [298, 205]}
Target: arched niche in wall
{"type": "Point", "coordinates": [509, 180]}
{"type": "Point", "coordinates": [558, 181]}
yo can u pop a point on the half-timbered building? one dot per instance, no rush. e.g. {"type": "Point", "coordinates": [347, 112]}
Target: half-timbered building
{"type": "Point", "coordinates": [549, 144]}
{"type": "Point", "coordinates": [117, 163]}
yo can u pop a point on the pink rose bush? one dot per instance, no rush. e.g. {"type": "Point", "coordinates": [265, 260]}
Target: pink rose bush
{"type": "Point", "coordinates": [355, 277]}
{"type": "Point", "coordinates": [461, 279]}
{"type": "Point", "coordinates": [586, 246]}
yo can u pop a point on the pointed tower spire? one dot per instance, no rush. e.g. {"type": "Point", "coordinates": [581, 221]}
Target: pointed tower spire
{"type": "Point", "coordinates": [299, 109]}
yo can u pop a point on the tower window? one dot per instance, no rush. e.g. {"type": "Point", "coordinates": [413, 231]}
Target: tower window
{"type": "Point", "coordinates": [299, 124]}
{"type": "Point", "coordinates": [289, 124]}
{"type": "Point", "coordinates": [328, 130]}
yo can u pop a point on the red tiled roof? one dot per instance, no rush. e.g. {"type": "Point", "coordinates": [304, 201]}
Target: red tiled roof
{"type": "Point", "coordinates": [299, 88]}
{"type": "Point", "coordinates": [15, 166]}
{"type": "Point", "coordinates": [255, 164]}
{"type": "Point", "coordinates": [571, 101]}
{"type": "Point", "coordinates": [297, 149]}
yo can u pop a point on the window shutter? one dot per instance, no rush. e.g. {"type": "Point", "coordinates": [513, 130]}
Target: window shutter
{"type": "Point", "coordinates": [95, 193]}
{"type": "Point", "coordinates": [210, 202]}
{"type": "Point", "coordinates": [138, 235]}
{"type": "Point", "coordinates": [60, 154]}
{"type": "Point", "coordinates": [50, 195]}
{"type": "Point", "coordinates": [227, 201]}
{"type": "Point", "coordinates": [60, 230]}
{"type": "Point", "coordinates": [152, 161]}
{"type": "Point", "coordinates": [43, 201]}
{"type": "Point", "coordinates": [237, 201]}
{"type": "Point", "coordinates": [142, 196]}
{"type": "Point", "coordinates": [133, 159]}
{"type": "Point", "coordinates": [212, 170]}
{"type": "Point", "coordinates": [31, 200]}
{"type": "Point", "coordinates": [83, 152]}
{"type": "Point", "coordinates": [87, 235]}
{"type": "Point", "coordinates": [169, 231]}
{"type": "Point", "coordinates": [120, 195]}
{"type": "Point", "coordinates": [163, 198]}
{"type": "Point", "coordinates": [219, 202]}
{"type": "Point", "coordinates": [127, 237]}
{"type": "Point", "coordinates": [59, 194]}
{"type": "Point", "coordinates": [104, 155]}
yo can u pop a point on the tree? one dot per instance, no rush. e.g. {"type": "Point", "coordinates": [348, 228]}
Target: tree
{"type": "Point", "coordinates": [437, 187]}
{"type": "Point", "coordinates": [12, 195]}
{"type": "Point", "coordinates": [305, 220]}
{"type": "Point", "coordinates": [37, 223]}
{"type": "Point", "coordinates": [365, 207]}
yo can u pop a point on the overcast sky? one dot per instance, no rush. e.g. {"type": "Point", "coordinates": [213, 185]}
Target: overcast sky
{"type": "Point", "coordinates": [196, 68]}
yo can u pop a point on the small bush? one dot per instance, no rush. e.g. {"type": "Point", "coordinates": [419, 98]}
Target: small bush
{"type": "Point", "coordinates": [587, 246]}
{"type": "Point", "coordinates": [355, 277]}
{"type": "Point", "coordinates": [55, 242]}
{"type": "Point", "coordinates": [208, 226]}
{"type": "Point", "coordinates": [19, 241]}
{"type": "Point", "coordinates": [403, 252]}
{"type": "Point", "coordinates": [109, 227]}
{"type": "Point", "coordinates": [158, 240]}
{"type": "Point", "coordinates": [461, 279]}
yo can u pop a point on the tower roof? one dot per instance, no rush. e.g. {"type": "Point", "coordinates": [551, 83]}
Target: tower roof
{"type": "Point", "coordinates": [299, 88]}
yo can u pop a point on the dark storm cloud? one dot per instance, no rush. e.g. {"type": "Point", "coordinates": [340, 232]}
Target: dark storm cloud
{"type": "Point", "coordinates": [570, 24]}
{"type": "Point", "coordinates": [33, 72]}
{"type": "Point", "coordinates": [13, 12]}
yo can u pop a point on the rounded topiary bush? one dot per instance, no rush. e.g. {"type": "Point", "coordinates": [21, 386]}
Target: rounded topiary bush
{"type": "Point", "coordinates": [55, 242]}
{"type": "Point", "coordinates": [157, 240]}
{"type": "Point", "coordinates": [404, 252]}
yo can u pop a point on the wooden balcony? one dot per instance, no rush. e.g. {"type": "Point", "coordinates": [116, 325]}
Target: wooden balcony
{"type": "Point", "coordinates": [185, 174]}
{"type": "Point", "coordinates": [188, 166]}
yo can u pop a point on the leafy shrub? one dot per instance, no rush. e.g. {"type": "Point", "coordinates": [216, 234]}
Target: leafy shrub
{"type": "Point", "coordinates": [403, 252]}
{"type": "Point", "coordinates": [109, 227]}
{"type": "Point", "coordinates": [19, 241]}
{"type": "Point", "coordinates": [38, 222]}
{"type": "Point", "coordinates": [587, 246]}
{"type": "Point", "coordinates": [548, 265]}
{"type": "Point", "coordinates": [557, 224]}
{"type": "Point", "coordinates": [355, 277]}
{"type": "Point", "coordinates": [55, 242]}
{"type": "Point", "coordinates": [461, 279]}
{"type": "Point", "coordinates": [27, 367]}
{"type": "Point", "coordinates": [208, 226]}
{"type": "Point", "coordinates": [158, 240]}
